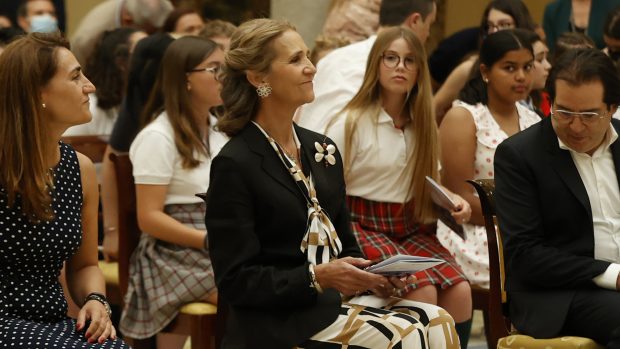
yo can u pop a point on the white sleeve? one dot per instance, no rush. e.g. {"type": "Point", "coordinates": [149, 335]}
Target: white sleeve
{"type": "Point", "coordinates": [153, 155]}
{"type": "Point", "coordinates": [609, 278]}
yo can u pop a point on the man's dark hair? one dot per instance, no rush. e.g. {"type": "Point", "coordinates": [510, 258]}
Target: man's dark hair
{"type": "Point", "coordinates": [22, 10]}
{"type": "Point", "coordinates": [394, 12]}
{"type": "Point", "coordinates": [582, 66]}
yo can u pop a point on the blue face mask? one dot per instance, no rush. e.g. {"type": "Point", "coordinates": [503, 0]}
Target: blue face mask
{"type": "Point", "coordinates": [43, 24]}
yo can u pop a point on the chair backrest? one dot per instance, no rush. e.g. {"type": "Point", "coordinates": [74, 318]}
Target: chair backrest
{"type": "Point", "coordinates": [497, 293]}
{"type": "Point", "coordinates": [92, 146]}
{"type": "Point", "coordinates": [128, 230]}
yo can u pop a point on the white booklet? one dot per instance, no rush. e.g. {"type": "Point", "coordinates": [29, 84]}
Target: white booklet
{"type": "Point", "coordinates": [440, 196]}
{"type": "Point", "coordinates": [403, 264]}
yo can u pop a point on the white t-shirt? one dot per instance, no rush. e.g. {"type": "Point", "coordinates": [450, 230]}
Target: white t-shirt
{"type": "Point", "coordinates": [102, 122]}
{"type": "Point", "coordinates": [156, 161]}
{"type": "Point", "coordinates": [379, 154]}
{"type": "Point", "coordinates": [338, 78]}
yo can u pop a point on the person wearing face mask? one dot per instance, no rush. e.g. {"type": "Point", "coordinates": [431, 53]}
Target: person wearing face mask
{"type": "Point", "coordinates": [611, 35]}
{"type": "Point", "coordinates": [37, 16]}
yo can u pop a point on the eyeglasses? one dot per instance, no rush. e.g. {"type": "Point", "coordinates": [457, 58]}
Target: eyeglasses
{"type": "Point", "coordinates": [586, 117]}
{"type": "Point", "coordinates": [503, 25]}
{"type": "Point", "coordinates": [213, 70]}
{"type": "Point", "coordinates": [392, 60]}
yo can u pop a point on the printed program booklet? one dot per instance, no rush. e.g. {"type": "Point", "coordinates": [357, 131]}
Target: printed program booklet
{"type": "Point", "coordinates": [443, 205]}
{"type": "Point", "coordinates": [403, 264]}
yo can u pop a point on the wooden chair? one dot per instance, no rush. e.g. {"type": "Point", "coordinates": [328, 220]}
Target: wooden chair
{"type": "Point", "coordinates": [92, 146]}
{"type": "Point", "coordinates": [197, 320]}
{"type": "Point", "coordinates": [496, 321]}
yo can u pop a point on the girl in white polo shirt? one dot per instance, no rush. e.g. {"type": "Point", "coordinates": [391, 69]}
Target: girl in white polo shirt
{"type": "Point", "coordinates": [388, 136]}
{"type": "Point", "coordinates": [171, 160]}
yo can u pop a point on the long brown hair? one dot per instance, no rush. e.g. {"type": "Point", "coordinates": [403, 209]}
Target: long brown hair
{"type": "Point", "coordinates": [170, 93]}
{"type": "Point", "coordinates": [423, 161]}
{"type": "Point", "coordinates": [27, 65]}
{"type": "Point", "coordinates": [250, 49]}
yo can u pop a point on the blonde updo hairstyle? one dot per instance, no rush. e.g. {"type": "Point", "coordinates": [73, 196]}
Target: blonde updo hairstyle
{"type": "Point", "coordinates": [251, 49]}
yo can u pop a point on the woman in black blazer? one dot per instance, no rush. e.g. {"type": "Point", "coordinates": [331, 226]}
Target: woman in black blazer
{"type": "Point", "coordinates": [284, 257]}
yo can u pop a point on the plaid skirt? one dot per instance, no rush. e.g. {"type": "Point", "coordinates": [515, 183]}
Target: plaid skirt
{"type": "Point", "coordinates": [163, 277]}
{"type": "Point", "coordinates": [382, 231]}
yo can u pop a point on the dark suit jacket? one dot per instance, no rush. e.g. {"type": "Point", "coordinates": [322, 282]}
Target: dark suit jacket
{"type": "Point", "coordinates": [544, 213]}
{"type": "Point", "coordinates": [256, 218]}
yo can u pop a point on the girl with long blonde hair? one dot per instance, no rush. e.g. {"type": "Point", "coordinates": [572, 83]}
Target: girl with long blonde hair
{"type": "Point", "coordinates": [388, 136]}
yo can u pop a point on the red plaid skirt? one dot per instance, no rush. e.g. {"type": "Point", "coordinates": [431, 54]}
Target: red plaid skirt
{"type": "Point", "coordinates": [382, 231]}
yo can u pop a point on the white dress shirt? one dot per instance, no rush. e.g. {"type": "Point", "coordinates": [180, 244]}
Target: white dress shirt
{"type": "Point", "coordinates": [338, 78]}
{"type": "Point", "coordinates": [598, 175]}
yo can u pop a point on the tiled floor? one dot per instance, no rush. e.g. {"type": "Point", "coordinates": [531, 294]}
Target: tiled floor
{"type": "Point", "coordinates": [477, 339]}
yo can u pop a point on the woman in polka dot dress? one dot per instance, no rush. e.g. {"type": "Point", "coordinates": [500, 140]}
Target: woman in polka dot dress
{"type": "Point", "coordinates": [48, 203]}
{"type": "Point", "coordinates": [487, 113]}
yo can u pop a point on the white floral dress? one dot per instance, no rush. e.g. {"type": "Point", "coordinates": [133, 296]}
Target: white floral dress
{"type": "Point", "coordinates": [472, 254]}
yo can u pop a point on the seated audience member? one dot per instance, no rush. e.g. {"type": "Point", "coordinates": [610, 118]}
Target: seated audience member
{"type": "Point", "coordinates": [145, 15]}
{"type": "Point", "coordinates": [285, 260]}
{"type": "Point", "coordinates": [388, 136]}
{"type": "Point", "coordinates": [184, 21]}
{"type": "Point", "coordinates": [487, 112]}
{"type": "Point", "coordinates": [340, 74]}
{"type": "Point", "coordinates": [324, 45]}
{"type": "Point", "coordinates": [452, 51]}
{"type": "Point", "coordinates": [48, 203]}
{"type": "Point", "coordinates": [557, 197]}
{"type": "Point", "coordinates": [498, 15]}
{"type": "Point", "coordinates": [611, 35]}
{"type": "Point", "coordinates": [570, 41]}
{"type": "Point", "coordinates": [538, 100]}
{"type": "Point", "coordinates": [352, 20]}
{"type": "Point", "coordinates": [37, 16]}
{"type": "Point", "coordinates": [143, 67]}
{"type": "Point", "coordinates": [171, 160]}
{"type": "Point", "coordinates": [108, 69]}
{"type": "Point", "coordinates": [7, 35]}
{"type": "Point", "coordinates": [576, 16]}
{"type": "Point", "coordinates": [5, 21]}
{"type": "Point", "coordinates": [219, 31]}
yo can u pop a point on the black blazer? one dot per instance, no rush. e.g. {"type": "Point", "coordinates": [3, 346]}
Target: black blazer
{"type": "Point", "coordinates": [256, 218]}
{"type": "Point", "coordinates": [544, 213]}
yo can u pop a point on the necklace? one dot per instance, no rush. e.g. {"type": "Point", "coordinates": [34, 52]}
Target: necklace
{"type": "Point", "coordinates": [292, 156]}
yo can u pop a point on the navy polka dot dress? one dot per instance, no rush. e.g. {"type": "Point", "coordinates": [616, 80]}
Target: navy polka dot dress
{"type": "Point", "coordinates": [32, 304]}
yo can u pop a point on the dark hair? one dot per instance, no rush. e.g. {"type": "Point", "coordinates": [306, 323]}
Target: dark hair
{"type": "Point", "coordinates": [514, 8]}
{"type": "Point", "coordinates": [174, 16]}
{"type": "Point", "coordinates": [7, 35]}
{"type": "Point", "coordinates": [107, 66]}
{"type": "Point", "coordinates": [612, 24]}
{"type": "Point", "coordinates": [394, 12]}
{"type": "Point", "coordinates": [493, 48]}
{"type": "Point", "coordinates": [570, 41]}
{"type": "Point", "coordinates": [22, 9]}
{"type": "Point", "coordinates": [582, 66]}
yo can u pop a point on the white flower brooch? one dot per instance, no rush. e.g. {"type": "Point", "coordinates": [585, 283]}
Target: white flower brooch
{"type": "Point", "coordinates": [325, 152]}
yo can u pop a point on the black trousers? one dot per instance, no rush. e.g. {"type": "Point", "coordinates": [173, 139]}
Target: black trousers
{"type": "Point", "coordinates": [595, 314]}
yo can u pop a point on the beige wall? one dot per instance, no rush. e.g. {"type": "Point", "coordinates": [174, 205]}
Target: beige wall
{"type": "Point", "coordinates": [308, 16]}
{"type": "Point", "coordinates": [467, 13]}
{"type": "Point", "coordinates": [76, 9]}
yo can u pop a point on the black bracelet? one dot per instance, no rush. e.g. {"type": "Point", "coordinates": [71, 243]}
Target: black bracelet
{"type": "Point", "coordinates": [95, 296]}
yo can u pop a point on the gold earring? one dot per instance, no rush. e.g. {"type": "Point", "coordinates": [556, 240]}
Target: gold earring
{"type": "Point", "coordinates": [43, 105]}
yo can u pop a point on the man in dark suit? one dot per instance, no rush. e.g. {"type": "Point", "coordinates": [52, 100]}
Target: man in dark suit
{"type": "Point", "coordinates": [558, 205]}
